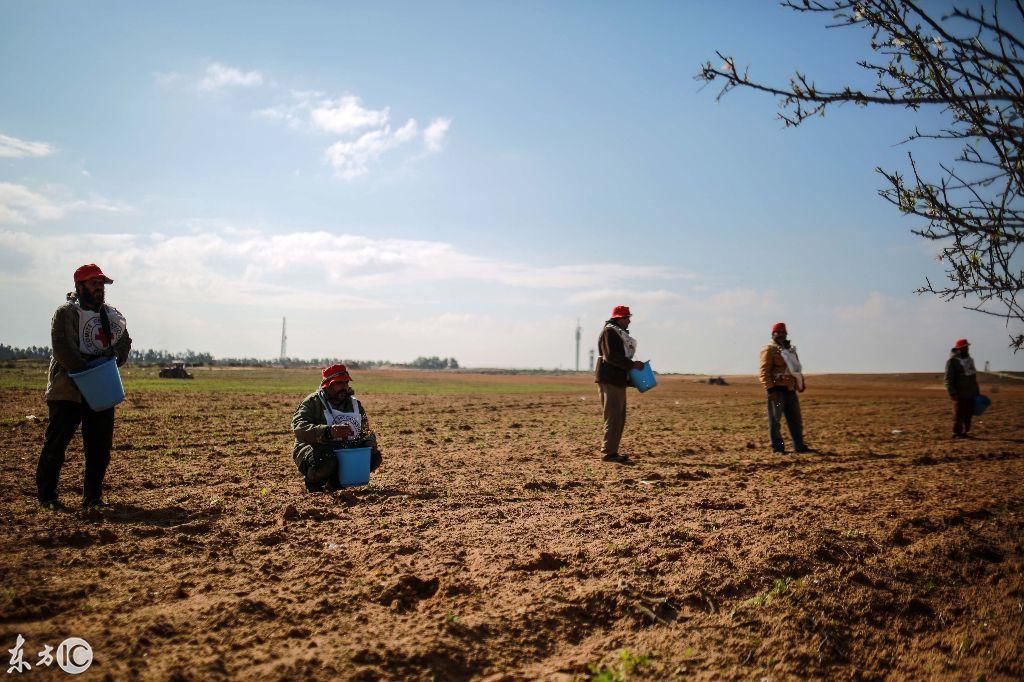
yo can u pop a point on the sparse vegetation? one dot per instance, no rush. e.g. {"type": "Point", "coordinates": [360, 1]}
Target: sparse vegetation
{"type": "Point", "coordinates": [619, 671]}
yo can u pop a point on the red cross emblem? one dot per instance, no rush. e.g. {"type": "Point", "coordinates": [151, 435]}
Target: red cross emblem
{"type": "Point", "coordinates": [102, 337]}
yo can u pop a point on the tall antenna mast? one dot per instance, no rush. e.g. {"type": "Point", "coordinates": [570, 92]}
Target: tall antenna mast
{"type": "Point", "coordinates": [284, 340]}
{"type": "Point", "coordinates": [578, 329]}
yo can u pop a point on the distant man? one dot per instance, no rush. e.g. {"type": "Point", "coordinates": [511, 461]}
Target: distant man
{"type": "Point", "coordinates": [84, 329]}
{"type": "Point", "coordinates": [782, 377]}
{"type": "Point", "coordinates": [615, 349]}
{"type": "Point", "coordinates": [327, 420]}
{"type": "Point", "coordinates": [962, 385]}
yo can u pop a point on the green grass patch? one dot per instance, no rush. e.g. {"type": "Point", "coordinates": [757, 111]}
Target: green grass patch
{"type": "Point", "coordinates": [781, 587]}
{"type": "Point", "coordinates": [299, 382]}
{"type": "Point", "coordinates": [620, 672]}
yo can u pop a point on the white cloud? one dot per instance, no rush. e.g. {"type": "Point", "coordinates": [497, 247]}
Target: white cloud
{"type": "Point", "coordinates": [624, 294]}
{"type": "Point", "coordinates": [13, 148]}
{"type": "Point", "coordinates": [352, 158]}
{"type": "Point", "coordinates": [22, 206]}
{"type": "Point", "coordinates": [354, 296]}
{"type": "Point", "coordinates": [874, 307]}
{"type": "Point", "coordinates": [365, 134]}
{"type": "Point", "coordinates": [219, 76]}
{"type": "Point", "coordinates": [301, 269]}
{"type": "Point", "coordinates": [346, 115]}
{"type": "Point", "coordinates": [435, 134]}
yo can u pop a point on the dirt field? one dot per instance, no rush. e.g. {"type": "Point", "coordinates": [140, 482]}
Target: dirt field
{"type": "Point", "coordinates": [493, 544]}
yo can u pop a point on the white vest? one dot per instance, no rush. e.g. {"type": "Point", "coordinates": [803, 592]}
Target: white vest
{"type": "Point", "coordinates": [336, 417]}
{"type": "Point", "coordinates": [91, 338]}
{"type": "Point", "coordinates": [793, 365]}
{"type": "Point", "coordinates": [628, 342]}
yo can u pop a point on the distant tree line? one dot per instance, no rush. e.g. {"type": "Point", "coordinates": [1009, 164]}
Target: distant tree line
{"type": "Point", "coordinates": [434, 362]}
{"type": "Point", "coordinates": [162, 357]}
{"type": "Point", "coordinates": [29, 353]}
{"type": "Point", "coordinates": [151, 356]}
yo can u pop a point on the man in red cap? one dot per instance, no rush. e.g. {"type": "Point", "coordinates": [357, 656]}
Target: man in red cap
{"type": "Point", "coordinates": [782, 377]}
{"type": "Point", "coordinates": [84, 329]}
{"type": "Point", "coordinates": [327, 420]}
{"type": "Point", "coordinates": [962, 385]}
{"type": "Point", "coordinates": [615, 349]}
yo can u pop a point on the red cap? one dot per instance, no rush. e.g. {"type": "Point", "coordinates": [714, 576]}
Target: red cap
{"type": "Point", "coordinates": [960, 343]}
{"type": "Point", "coordinates": [90, 271]}
{"type": "Point", "coordinates": [620, 311]}
{"type": "Point", "coordinates": [779, 327]}
{"type": "Point", "coordinates": [334, 374]}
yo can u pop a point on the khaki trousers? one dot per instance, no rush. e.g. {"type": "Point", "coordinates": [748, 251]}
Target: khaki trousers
{"type": "Point", "coordinates": [613, 400]}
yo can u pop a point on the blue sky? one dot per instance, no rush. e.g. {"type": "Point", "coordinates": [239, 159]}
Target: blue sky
{"type": "Point", "coordinates": [458, 179]}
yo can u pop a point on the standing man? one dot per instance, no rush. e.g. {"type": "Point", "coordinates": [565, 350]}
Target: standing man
{"type": "Point", "coordinates": [616, 349]}
{"type": "Point", "coordinates": [326, 420]}
{"type": "Point", "coordinates": [782, 377]}
{"type": "Point", "coordinates": [962, 385]}
{"type": "Point", "coordinates": [84, 329]}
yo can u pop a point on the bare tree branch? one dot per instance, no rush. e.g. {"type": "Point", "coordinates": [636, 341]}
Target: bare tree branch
{"type": "Point", "coordinates": [969, 63]}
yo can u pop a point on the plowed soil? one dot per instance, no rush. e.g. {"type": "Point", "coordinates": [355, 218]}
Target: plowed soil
{"type": "Point", "coordinates": [494, 544]}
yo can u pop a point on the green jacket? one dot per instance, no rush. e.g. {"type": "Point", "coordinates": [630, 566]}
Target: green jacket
{"type": "Point", "coordinates": [309, 423]}
{"type": "Point", "coordinates": [68, 357]}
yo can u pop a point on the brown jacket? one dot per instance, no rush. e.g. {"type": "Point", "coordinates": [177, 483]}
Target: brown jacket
{"type": "Point", "coordinates": [612, 366]}
{"type": "Point", "coordinates": [68, 357]}
{"type": "Point", "coordinates": [774, 372]}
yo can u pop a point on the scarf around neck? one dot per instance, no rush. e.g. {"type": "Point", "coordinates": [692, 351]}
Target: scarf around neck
{"type": "Point", "coordinates": [628, 342]}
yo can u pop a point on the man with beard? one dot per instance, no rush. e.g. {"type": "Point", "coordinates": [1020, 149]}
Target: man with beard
{"type": "Point", "coordinates": [616, 348]}
{"type": "Point", "coordinates": [962, 386]}
{"type": "Point", "coordinates": [84, 329]}
{"type": "Point", "coordinates": [327, 420]}
{"type": "Point", "coordinates": [782, 377]}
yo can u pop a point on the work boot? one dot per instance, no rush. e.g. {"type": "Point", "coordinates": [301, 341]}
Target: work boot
{"type": "Point", "coordinates": [609, 457]}
{"type": "Point", "coordinates": [52, 505]}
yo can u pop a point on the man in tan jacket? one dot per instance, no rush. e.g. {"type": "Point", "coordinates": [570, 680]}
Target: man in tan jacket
{"type": "Point", "coordinates": [782, 377]}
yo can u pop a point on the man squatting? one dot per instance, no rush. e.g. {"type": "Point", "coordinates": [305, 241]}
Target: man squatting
{"type": "Point", "coordinates": [326, 420]}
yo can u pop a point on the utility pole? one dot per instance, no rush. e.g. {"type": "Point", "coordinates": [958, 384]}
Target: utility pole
{"type": "Point", "coordinates": [284, 340]}
{"type": "Point", "coordinates": [591, 359]}
{"type": "Point", "coordinates": [578, 330]}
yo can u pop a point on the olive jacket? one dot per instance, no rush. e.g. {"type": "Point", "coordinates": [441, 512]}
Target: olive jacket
{"type": "Point", "coordinates": [309, 423]}
{"type": "Point", "coordinates": [68, 357]}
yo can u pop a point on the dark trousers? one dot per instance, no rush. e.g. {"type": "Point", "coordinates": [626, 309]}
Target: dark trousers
{"type": "Point", "coordinates": [97, 437]}
{"type": "Point", "coordinates": [785, 404]}
{"type": "Point", "coordinates": [963, 410]}
{"type": "Point", "coordinates": [319, 464]}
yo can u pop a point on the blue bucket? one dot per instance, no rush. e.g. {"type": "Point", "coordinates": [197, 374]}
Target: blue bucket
{"type": "Point", "coordinates": [100, 384]}
{"type": "Point", "coordinates": [643, 379]}
{"type": "Point", "coordinates": [353, 466]}
{"type": "Point", "coordinates": [981, 404]}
